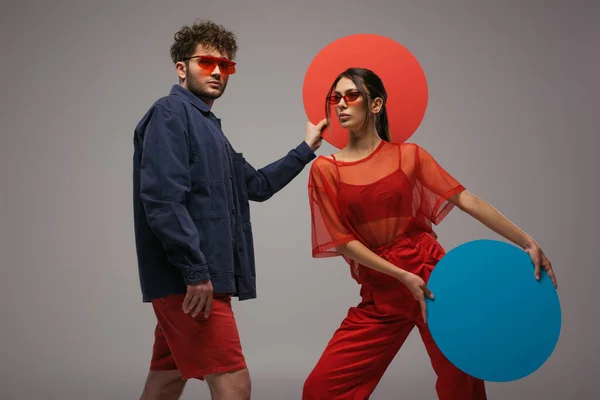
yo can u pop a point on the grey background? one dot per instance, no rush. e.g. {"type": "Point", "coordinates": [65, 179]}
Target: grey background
{"type": "Point", "coordinates": [512, 114]}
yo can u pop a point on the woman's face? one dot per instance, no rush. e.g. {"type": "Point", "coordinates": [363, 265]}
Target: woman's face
{"type": "Point", "coordinates": [349, 104]}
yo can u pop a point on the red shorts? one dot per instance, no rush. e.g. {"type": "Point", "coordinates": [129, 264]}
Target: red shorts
{"type": "Point", "coordinates": [196, 346]}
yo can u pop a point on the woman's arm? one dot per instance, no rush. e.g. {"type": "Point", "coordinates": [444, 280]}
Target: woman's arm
{"type": "Point", "coordinates": [493, 219]}
{"type": "Point", "coordinates": [358, 252]}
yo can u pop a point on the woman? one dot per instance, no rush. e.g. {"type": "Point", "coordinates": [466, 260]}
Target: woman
{"type": "Point", "coordinates": [373, 203]}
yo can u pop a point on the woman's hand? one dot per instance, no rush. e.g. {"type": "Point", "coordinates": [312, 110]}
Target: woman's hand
{"type": "Point", "coordinates": [541, 261]}
{"type": "Point", "coordinates": [361, 254]}
{"type": "Point", "coordinates": [419, 290]}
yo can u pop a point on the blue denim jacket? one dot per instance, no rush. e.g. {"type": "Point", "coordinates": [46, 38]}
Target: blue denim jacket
{"type": "Point", "coordinates": [190, 198]}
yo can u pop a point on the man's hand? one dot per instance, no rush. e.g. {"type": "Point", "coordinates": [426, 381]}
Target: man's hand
{"type": "Point", "coordinates": [199, 297]}
{"type": "Point", "coordinates": [313, 134]}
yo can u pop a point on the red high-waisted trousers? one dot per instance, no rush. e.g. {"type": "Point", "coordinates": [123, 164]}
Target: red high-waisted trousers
{"type": "Point", "coordinates": [372, 333]}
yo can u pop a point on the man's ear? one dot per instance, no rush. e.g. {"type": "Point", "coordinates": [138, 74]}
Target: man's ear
{"type": "Point", "coordinates": [181, 69]}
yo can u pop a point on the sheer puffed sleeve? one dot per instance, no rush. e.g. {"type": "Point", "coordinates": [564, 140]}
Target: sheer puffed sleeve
{"type": "Point", "coordinates": [435, 186]}
{"type": "Point", "coordinates": [328, 230]}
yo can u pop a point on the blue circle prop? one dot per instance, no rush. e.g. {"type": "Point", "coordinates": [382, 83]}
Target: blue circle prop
{"type": "Point", "coordinates": [490, 317]}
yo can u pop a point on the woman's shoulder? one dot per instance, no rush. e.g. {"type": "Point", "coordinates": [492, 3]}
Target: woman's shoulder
{"type": "Point", "coordinates": [324, 159]}
{"type": "Point", "coordinates": [412, 149]}
{"type": "Point", "coordinates": [405, 148]}
{"type": "Point", "coordinates": [409, 146]}
{"type": "Point", "coordinates": [323, 163]}
{"type": "Point", "coordinates": [322, 170]}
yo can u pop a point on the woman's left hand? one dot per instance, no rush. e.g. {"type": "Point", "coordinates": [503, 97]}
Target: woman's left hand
{"type": "Point", "coordinates": [541, 261]}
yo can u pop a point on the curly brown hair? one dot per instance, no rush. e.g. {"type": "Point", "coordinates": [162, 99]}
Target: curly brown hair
{"type": "Point", "coordinates": [206, 33]}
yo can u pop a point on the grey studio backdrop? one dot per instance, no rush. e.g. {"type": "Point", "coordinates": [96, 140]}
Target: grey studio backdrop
{"type": "Point", "coordinates": [512, 114]}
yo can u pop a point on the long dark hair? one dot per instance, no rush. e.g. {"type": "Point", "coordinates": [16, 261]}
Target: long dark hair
{"type": "Point", "coordinates": [370, 87]}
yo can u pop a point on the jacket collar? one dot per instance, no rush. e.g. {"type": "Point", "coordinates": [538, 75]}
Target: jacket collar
{"type": "Point", "coordinates": [178, 90]}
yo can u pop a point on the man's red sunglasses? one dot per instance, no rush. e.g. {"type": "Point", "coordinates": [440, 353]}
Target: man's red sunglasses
{"type": "Point", "coordinates": [209, 63]}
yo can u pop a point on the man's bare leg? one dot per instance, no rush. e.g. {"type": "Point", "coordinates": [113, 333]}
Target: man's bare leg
{"type": "Point", "coordinates": [163, 385]}
{"type": "Point", "coordinates": [230, 386]}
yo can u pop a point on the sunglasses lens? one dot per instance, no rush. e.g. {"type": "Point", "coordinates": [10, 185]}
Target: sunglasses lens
{"type": "Point", "coordinates": [227, 68]}
{"type": "Point", "coordinates": [334, 99]}
{"type": "Point", "coordinates": [352, 96]}
{"type": "Point", "coordinates": [207, 64]}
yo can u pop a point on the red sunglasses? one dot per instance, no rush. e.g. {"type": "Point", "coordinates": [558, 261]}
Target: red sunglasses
{"type": "Point", "coordinates": [209, 63]}
{"type": "Point", "coordinates": [348, 97]}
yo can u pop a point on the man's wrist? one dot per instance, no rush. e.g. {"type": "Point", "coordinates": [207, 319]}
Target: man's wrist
{"type": "Point", "coordinates": [312, 147]}
{"type": "Point", "coordinates": [305, 152]}
{"type": "Point", "coordinates": [196, 275]}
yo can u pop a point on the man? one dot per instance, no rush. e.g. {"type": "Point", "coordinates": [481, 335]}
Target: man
{"type": "Point", "coordinates": [192, 224]}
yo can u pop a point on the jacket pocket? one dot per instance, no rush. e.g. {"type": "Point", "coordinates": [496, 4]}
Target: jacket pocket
{"type": "Point", "coordinates": [238, 177]}
{"type": "Point", "coordinates": [248, 249]}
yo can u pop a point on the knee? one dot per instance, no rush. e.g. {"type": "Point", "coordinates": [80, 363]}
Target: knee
{"type": "Point", "coordinates": [236, 385]}
{"type": "Point", "coordinates": [163, 384]}
{"type": "Point", "coordinates": [243, 388]}
{"type": "Point", "coordinates": [239, 391]}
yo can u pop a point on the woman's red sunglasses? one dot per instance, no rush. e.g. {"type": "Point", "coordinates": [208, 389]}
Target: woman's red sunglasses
{"type": "Point", "coordinates": [348, 97]}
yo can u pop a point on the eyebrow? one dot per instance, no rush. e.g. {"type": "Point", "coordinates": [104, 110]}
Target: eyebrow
{"type": "Point", "coordinates": [347, 91]}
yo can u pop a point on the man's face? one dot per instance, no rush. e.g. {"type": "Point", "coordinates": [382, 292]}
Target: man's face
{"type": "Point", "coordinates": [206, 83]}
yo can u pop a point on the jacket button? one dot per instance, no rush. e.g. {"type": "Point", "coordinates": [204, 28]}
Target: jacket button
{"type": "Point", "coordinates": [233, 211]}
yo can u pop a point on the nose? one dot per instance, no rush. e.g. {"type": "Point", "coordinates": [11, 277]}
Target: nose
{"type": "Point", "coordinates": [216, 73]}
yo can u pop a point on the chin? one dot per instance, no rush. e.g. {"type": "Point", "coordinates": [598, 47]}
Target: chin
{"type": "Point", "coordinates": [348, 125]}
{"type": "Point", "coordinates": [213, 93]}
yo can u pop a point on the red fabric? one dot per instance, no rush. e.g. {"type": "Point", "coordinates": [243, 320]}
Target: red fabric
{"type": "Point", "coordinates": [398, 188]}
{"type": "Point", "coordinates": [372, 333]}
{"type": "Point", "coordinates": [196, 346]}
{"type": "Point", "coordinates": [388, 201]}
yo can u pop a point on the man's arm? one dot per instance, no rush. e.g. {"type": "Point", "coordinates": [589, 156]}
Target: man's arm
{"type": "Point", "coordinates": [262, 184]}
{"type": "Point", "coordinates": [165, 181]}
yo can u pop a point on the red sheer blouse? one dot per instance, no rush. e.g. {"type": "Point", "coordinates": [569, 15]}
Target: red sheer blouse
{"type": "Point", "coordinates": [398, 188]}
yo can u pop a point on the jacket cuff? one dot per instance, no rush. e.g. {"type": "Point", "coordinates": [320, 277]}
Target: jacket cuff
{"type": "Point", "coordinates": [305, 152]}
{"type": "Point", "coordinates": [195, 275]}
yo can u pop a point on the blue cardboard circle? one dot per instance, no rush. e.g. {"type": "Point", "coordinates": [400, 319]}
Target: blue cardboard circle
{"type": "Point", "coordinates": [490, 317]}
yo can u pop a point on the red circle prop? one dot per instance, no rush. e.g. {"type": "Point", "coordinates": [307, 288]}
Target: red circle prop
{"type": "Point", "coordinates": [399, 70]}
